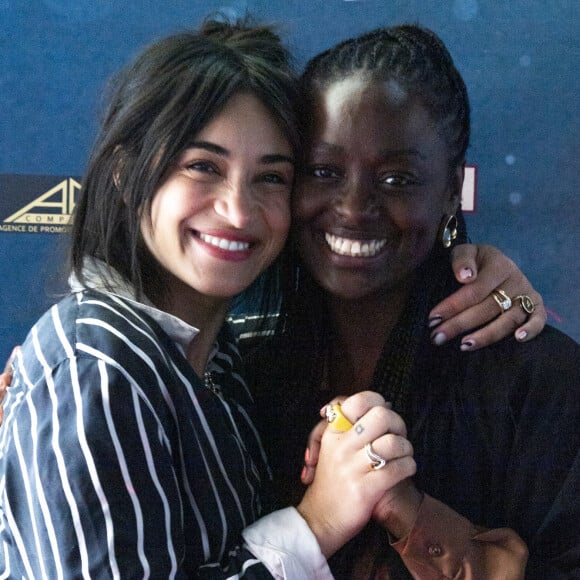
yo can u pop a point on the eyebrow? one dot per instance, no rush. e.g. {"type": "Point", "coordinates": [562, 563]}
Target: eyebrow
{"type": "Point", "coordinates": [324, 147]}
{"type": "Point", "coordinates": [223, 152]}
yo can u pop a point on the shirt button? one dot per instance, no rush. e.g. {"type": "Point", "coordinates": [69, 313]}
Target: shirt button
{"type": "Point", "coordinates": [435, 550]}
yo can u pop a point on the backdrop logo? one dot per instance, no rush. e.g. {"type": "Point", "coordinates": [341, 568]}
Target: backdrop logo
{"type": "Point", "coordinates": [50, 212]}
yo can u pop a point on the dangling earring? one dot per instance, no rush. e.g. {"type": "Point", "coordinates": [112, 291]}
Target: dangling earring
{"type": "Point", "coordinates": [448, 230]}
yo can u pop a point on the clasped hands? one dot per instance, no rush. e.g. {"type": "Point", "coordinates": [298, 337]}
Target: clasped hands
{"type": "Point", "coordinates": [344, 491]}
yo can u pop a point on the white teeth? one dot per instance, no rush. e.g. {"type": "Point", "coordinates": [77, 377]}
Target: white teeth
{"type": "Point", "coordinates": [224, 244]}
{"type": "Point", "coordinates": [355, 248]}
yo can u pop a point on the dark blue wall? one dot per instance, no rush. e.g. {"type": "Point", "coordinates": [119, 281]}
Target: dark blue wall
{"type": "Point", "coordinates": [519, 58]}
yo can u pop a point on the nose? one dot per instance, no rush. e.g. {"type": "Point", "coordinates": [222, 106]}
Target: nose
{"type": "Point", "coordinates": [357, 199]}
{"type": "Point", "coordinates": [235, 203]}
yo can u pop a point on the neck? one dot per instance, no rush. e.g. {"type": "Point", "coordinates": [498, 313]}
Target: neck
{"type": "Point", "coordinates": [361, 328]}
{"type": "Point", "coordinates": [207, 314]}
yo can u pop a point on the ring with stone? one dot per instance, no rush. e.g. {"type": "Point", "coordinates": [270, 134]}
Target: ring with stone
{"type": "Point", "coordinates": [377, 462]}
{"type": "Point", "coordinates": [502, 299]}
{"type": "Point", "coordinates": [336, 418]}
{"type": "Point", "coordinates": [526, 303]}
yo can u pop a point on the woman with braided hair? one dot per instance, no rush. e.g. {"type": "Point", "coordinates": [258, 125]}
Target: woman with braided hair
{"type": "Point", "coordinates": [494, 430]}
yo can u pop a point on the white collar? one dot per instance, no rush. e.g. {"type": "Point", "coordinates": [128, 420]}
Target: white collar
{"type": "Point", "coordinates": [99, 276]}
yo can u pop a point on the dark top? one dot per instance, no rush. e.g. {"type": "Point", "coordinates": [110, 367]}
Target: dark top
{"type": "Point", "coordinates": [496, 435]}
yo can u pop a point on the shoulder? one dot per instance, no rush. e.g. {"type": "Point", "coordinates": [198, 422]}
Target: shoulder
{"type": "Point", "coordinates": [550, 352]}
{"type": "Point", "coordinates": [254, 332]}
{"type": "Point", "coordinates": [92, 325]}
{"type": "Point", "coordinates": [541, 376]}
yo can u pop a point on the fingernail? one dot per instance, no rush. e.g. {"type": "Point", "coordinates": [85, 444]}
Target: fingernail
{"type": "Point", "coordinates": [439, 339]}
{"type": "Point", "coordinates": [434, 321]}
{"type": "Point", "coordinates": [467, 345]}
{"type": "Point", "coordinates": [521, 335]}
{"type": "Point", "coordinates": [465, 273]}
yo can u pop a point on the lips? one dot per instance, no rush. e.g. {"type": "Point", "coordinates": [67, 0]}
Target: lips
{"type": "Point", "coordinates": [224, 243]}
{"type": "Point", "coordinates": [354, 247]}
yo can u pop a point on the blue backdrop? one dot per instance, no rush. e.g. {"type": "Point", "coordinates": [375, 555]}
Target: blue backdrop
{"type": "Point", "coordinates": [519, 59]}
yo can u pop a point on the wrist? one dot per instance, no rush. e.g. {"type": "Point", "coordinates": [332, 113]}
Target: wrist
{"type": "Point", "coordinates": [398, 512]}
{"type": "Point", "coordinates": [329, 538]}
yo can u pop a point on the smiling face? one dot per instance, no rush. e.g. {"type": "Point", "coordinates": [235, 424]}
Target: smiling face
{"type": "Point", "coordinates": [375, 187]}
{"type": "Point", "coordinates": [221, 215]}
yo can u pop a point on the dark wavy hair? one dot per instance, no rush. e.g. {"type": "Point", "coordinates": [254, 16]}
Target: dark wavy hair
{"type": "Point", "coordinates": [156, 104]}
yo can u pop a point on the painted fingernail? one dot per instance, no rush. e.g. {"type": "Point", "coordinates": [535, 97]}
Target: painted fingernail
{"type": "Point", "coordinates": [521, 335]}
{"type": "Point", "coordinates": [465, 273]}
{"type": "Point", "coordinates": [467, 345]}
{"type": "Point", "coordinates": [434, 321]}
{"type": "Point", "coordinates": [439, 339]}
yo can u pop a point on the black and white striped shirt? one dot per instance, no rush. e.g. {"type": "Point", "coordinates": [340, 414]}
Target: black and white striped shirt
{"type": "Point", "coordinates": [116, 460]}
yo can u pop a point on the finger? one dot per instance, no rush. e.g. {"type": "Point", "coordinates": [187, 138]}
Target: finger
{"type": "Point", "coordinates": [335, 401]}
{"type": "Point", "coordinates": [394, 471]}
{"type": "Point", "coordinates": [534, 325]}
{"type": "Point", "coordinates": [514, 321]}
{"type": "Point", "coordinates": [498, 325]}
{"type": "Point", "coordinates": [6, 376]}
{"type": "Point", "coordinates": [358, 404]}
{"type": "Point", "coordinates": [463, 262]}
{"type": "Point", "coordinates": [391, 446]}
{"type": "Point", "coordinates": [313, 448]}
{"type": "Point", "coordinates": [468, 296]}
{"type": "Point", "coordinates": [375, 422]}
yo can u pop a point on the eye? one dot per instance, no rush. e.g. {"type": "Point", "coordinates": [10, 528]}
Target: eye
{"type": "Point", "coordinates": [274, 178]}
{"type": "Point", "coordinates": [397, 180]}
{"type": "Point", "coordinates": [202, 167]}
{"type": "Point", "coordinates": [323, 172]}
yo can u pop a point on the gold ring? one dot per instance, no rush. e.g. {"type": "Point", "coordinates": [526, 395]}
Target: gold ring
{"type": "Point", "coordinates": [502, 299]}
{"type": "Point", "coordinates": [377, 462]}
{"type": "Point", "coordinates": [526, 303]}
{"type": "Point", "coordinates": [336, 418]}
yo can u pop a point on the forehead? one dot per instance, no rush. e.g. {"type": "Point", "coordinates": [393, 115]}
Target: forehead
{"type": "Point", "coordinates": [245, 118]}
{"type": "Point", "coordinates": [363, 112]}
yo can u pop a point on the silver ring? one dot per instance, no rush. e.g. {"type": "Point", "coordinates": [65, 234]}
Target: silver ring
{"type": "Point", "coordinates": [377, 462]}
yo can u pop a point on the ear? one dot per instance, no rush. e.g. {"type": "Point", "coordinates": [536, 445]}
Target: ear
{"type": "Point", "coordinates": [455, 188]}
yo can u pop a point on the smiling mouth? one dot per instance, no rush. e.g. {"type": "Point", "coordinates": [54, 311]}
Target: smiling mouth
{"type": "Point", "coordinates": [224, 244]}
{"type": "Point", "coordinates": [354, 248]}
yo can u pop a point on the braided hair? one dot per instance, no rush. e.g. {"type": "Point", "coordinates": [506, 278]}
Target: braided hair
{"type": "Point", "coordinates": [417, 60]}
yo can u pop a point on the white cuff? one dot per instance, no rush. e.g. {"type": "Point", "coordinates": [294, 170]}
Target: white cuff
{"type": "Point", "coordinates": [286, 545]}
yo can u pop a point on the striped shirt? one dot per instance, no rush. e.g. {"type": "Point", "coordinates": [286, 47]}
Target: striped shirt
{"type": "Point", "coordinates": [116, 460]}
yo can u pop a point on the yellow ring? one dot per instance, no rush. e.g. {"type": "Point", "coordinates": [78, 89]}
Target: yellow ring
{"type": "Point", "coordinates": [336, 418]}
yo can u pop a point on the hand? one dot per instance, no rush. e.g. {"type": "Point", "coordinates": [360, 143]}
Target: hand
{"type": "Point", "coordinates": [483, 269]}
{"type": "Point", "coordinates": [6, 380]}
{"type": "Point", "coordinates": [345, 490]}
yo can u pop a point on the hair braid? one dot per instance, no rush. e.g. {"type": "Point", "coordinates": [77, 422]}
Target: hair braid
{"type": "Point", "coordinates": [413, 56]}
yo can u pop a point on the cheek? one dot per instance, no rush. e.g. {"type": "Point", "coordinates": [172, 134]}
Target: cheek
{"type": "Point", "coordinates": [305, 206]}
{"type": "Point", "coordinates": [279, 219]}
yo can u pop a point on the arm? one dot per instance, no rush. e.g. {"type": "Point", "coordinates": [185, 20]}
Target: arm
{"type": "Point", "coordinates": [6, 379]}
{"type": "Point", "coordinates": [433, 540]}
{"type": "Point", "coordinates": [443, 544]}
{"type": "Point", "coordinates": [481, 269]}
{"type": "Point", "coordinates": [93, 456]}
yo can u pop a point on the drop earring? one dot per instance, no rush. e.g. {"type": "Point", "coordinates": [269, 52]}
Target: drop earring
{"type": "Point", "coordinates": [448, 230]}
